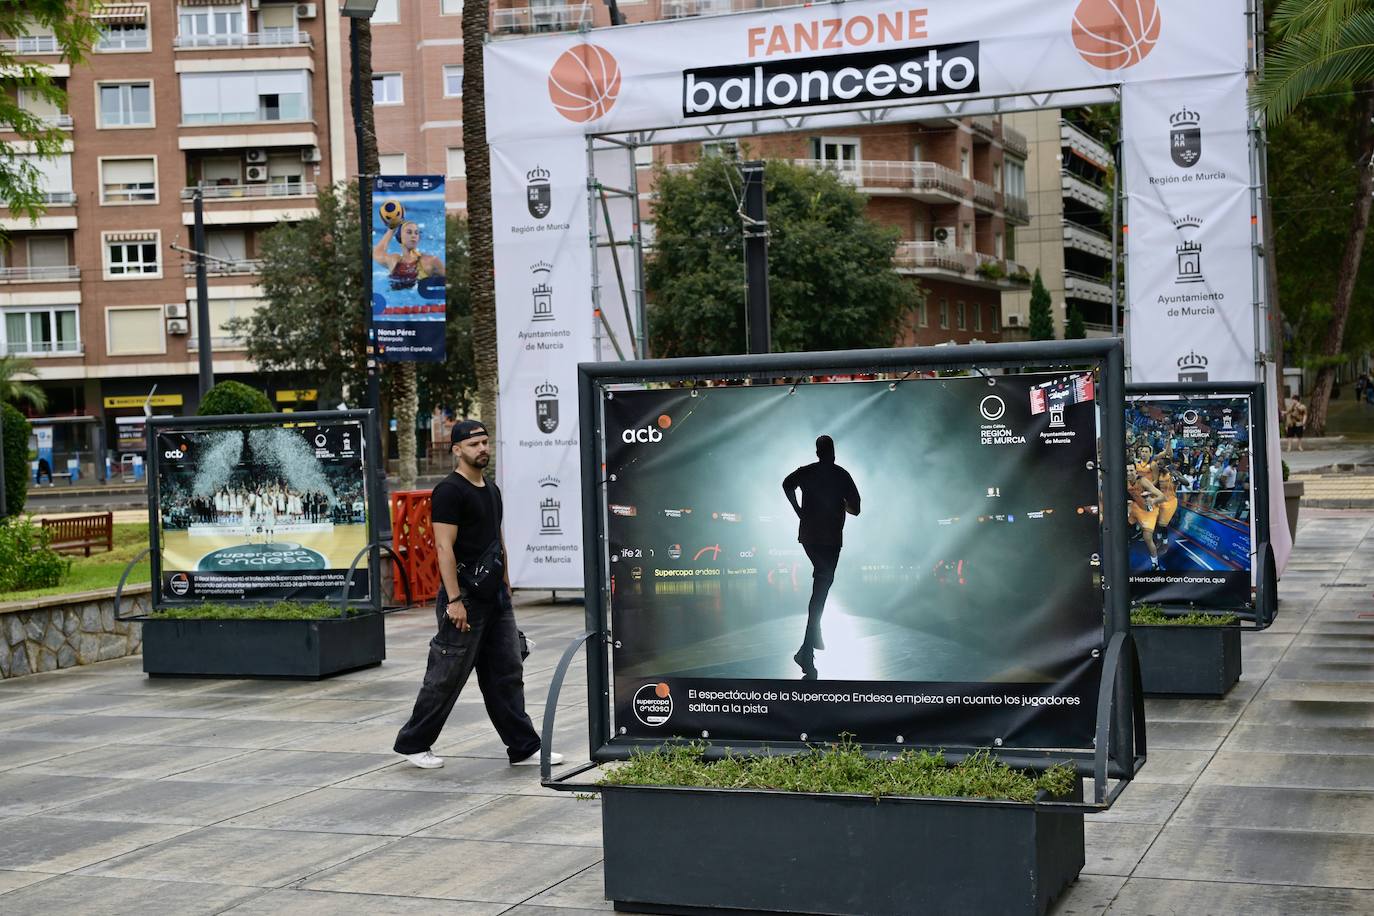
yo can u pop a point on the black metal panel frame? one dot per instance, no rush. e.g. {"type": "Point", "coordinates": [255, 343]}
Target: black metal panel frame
{"type": "Point", "coordinates": [1118, 721]}
{"type": "Point", "coordinates": [1262, 561]}
{"type": "Point", "coordinates": [369, 421]}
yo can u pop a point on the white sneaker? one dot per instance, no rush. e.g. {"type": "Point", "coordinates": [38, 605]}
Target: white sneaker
{"type": "Point", "coordinates": [425, 760]}
{"type": "Point", "coordinates": [532, 760]}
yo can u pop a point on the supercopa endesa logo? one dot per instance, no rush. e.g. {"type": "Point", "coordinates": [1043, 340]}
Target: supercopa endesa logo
{"type": "Point", "coordinates": [653, 704]}
{"type": "Point", "coordinates": [584, 83]}
{"type": "Point", "coordinates": [1115, 34]}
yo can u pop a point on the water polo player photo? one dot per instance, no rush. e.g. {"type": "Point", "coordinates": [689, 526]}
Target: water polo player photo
{"type": "Point", "coordinates": [411, 265]}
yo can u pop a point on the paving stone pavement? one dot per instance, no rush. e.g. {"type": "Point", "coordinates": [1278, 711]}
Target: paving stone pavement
{"type": "Point", "coordinates": [120, 794]}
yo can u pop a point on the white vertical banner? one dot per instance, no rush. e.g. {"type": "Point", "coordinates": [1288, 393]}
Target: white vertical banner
{"type": "Point", "coordinates": [1189, 241]}
{"type": "Point", "coordinates": [544, 329]}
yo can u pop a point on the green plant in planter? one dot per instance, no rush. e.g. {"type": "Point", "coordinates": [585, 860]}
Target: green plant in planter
{"type": "Point", "coordinates": [1285, 471]}
{"type": "Point", "coordinates": [1150, 615]}
{"type": "Point", "coordinates": [842, 768]}
{"type": "Point", "coordinates": [26, 561]}
{"type": "Point", "coordinates": [990, 270]}
{"type": "Point", "coordinates": [281, 610]}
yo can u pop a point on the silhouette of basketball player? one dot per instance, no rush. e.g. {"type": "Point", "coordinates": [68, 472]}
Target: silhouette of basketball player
{"type": "Point", "coordinates": [827, 493]}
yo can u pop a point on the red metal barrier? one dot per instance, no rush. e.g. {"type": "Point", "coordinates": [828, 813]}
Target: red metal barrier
{"type": "Point", "coordinates": [413, 539]}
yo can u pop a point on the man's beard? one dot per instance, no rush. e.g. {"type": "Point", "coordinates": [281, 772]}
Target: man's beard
{"type": "Point", "coordinates": [481, 461]}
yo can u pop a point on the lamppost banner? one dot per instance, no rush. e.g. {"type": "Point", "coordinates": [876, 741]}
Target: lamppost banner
{"type": "Point", "coordinates": [911, 562]}
{"type": "Point", "coordinates": [408, 272]}
{"type": "Point", "coordinates": [261, 512]}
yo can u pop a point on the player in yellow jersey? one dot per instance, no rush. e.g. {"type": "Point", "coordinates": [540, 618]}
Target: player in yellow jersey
{"type": "Point", "coordinates": [1143, 509]}
{"type": "Point", "coordinates": [1168, 506]}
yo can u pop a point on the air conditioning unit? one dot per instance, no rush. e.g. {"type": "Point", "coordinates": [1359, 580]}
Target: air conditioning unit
{"type": "Point", "coordinates": [179, 327]}
{"type": "Point", "coordinates": [305, 11]}
{"type": "Point", "coordinates": [176, 310]}
{"type": "Point", "coordinates": [255, 156]}
{"type": "Point", "coordinates": [944, 235]}
{"type": "Point", "coordinates": [255, 173]}
{"type": "Point", "coordinates": [1013, 321]}
{"type": "Point", "coordinates": [311, 154]}
{"type": "Point", "coordinates": [254, 4]}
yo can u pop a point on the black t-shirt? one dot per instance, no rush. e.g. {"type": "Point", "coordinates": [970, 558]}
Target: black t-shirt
{"type": "Point", "coordinates": [825, 488]}
{"type": "Point", "coordinates": [475, 510]}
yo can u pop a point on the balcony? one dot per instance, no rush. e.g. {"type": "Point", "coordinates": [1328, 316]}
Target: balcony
{"type": "Point", "coordinates": [928, 181]}
{"type": "Point", "coordinates": [221, 268]}
{"type": "Point", "coordinates": [44, 348]}
{"type": "Point", "coordinates": [1084, 192]}
{"type": "Point", "coordinates": [984, 125]}
{"type": "Point", "coordinates": [1017, 209]}
{"type": "Point", "coordinates": [31, 44]}
{"type": "Point", "coordinates": [262, 191]}
{"type": "Point", "coordinates": [561, 18]}
{"type": "Point", "coordinates": [59, 198]}
{"type": "Point", "coordinates": [1013, 141]}
{"type": "Point", "coordinates": [1086, 287]}
{"type": "Point", "coordinates": [271, 38]}
{"type": "Point", "coordinates": [974, 268]}
{"type": "Point", "coordinates": [60, 121]}
{"type": "Point", "coordinates": [683, 9]}
{"type": "Point", "coordinates": [1089, 241]}
{"type": "Point", "coordinates": [39, 274]}
{"type": "Point", "coordinates": [985, 195]}
{"type": "Point", "coordinates": [1079, 142]}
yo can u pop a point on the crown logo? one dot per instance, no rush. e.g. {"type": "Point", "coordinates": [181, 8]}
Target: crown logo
{"type": "Point", "coordinates": [541, 267]}
{"type": "Point", "coordinates": [1192, 360]}
{"type": "Point", "coordinates": [546, 391]}
{"type": "Point", "coordinates": [549, 481]}
{"type": "Point", "coordinates": [1188, 222]}
{"type": "Point", "coordinates": [1185, 118]}
{"type": "Point", "coordinates": [1189, 246]}
{"type": "Point", "coordinates": [538, 175]}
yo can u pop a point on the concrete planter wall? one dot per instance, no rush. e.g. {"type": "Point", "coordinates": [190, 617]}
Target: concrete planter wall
{"type": "Point", "coordinates": [45, 634]}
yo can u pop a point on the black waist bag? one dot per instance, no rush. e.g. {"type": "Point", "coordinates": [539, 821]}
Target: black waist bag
{"type": "Point", "coordinates": [482, 577]}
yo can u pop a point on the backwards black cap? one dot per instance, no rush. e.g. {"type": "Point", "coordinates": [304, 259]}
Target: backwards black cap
{"type": "Point", "coordinates": [467, 429]}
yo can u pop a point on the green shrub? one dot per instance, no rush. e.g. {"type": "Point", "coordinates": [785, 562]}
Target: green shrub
{"type": "Point", "coordinates": [1285, 470]}
{"type": "Point", "coordinates": [230, 397]}
{"type": "Point", "coordinates": [281, 610]}
{"type": "Point", "coordinates": [1147, 615]}
{"type": "Point", "coordinates": [843, 768]}
{"type": "Point", "coordinates": [16, 445]}
{"type": "Point", "coordinates": [25, 559]}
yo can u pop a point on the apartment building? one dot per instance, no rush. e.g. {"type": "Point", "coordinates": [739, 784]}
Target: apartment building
{"type": "Point", "coordinates": [1069, 236]}
{"type": "Point", "coordinates": [237, 102]}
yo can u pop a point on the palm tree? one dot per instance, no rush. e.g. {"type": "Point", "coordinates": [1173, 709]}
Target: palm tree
{"type": "Point", "coordinates": [482, 291]}
{"type": "Point", "coordinates": [13, 390]}
{"type": "Point", "coordinates": [1323, 46]}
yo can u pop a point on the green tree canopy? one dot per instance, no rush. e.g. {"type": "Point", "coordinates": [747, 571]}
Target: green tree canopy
{"type": "Point", "coordinates": [15, 442]}
{"type": "Point", "coordinates": [1073, 328]}
{"type": "Point", "coordinates": [14, 388]}
{"type": "Point", "coordinates": [830, 275]}
{"type": "Point", "coordinates": [231, 397]}
{"type": "Point", "coordinates": [1041, 319]}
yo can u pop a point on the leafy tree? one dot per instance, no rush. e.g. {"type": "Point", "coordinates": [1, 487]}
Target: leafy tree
{"type": "Point", "coordinates": [70, 23]}
{"type": "Point", "coordinates": [831, 281]}
{"type": "Point", "coordinates": [16, 446]}
{"type": "Point", "coordinates": [231, 397]}
{"type": "Point", "coordinates": [1041, 319]}
{"type": "Point", "coordinates": [1326, 46]}
{"type": "Point", "coordinates": [13, 389]}
{"type": "Point", "coordinates": [1074, 329]}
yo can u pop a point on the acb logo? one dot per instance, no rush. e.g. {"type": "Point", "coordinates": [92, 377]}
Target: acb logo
{"type": "Point", "coordinates": [644, 434]}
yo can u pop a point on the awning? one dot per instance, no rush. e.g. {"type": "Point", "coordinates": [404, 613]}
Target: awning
{"type": "Point", "coordinates": [122, 13]}
{"type": "Point", "coordinates": [131, 236]}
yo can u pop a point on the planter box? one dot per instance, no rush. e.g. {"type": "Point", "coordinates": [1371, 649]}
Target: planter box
{"type": "Point", "coordinates": [1292, 501]}
{"type": "Point", "coordinates": [700, 851]}
{"type": "Point", "coordinates": [262, 648]}
{"type": "Point", "coordinates": [1188, 661]}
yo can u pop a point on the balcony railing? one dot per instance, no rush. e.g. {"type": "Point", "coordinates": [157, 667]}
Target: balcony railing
{"type": "Point", "coordinates": [30, 44]}
{"type": "Point", "coordinates": [1084, 192]}
{"type": "Point", "coordinates": [250, 191]}
{"type": "Point", "coordinates": [36, 274]}
{"type": "Point", "coordinates": [1016, 208]}
{"type": "Point", "coordinates": [879, 174]}
{"type": "Point", "coordinates": [985, 125]}
{"type": "Point", "coordinates": [1014, 141]}
{"type": "Point", "coordinates": [270, 38]}
{"type": "Point", "coordinates": [1080, 142]}
{"type": "Point", "coordinates": [936, 256]}
{"type": "Point", "coordinates": [59, 198]}
{"type": "Point", "coordinates": [40, 347]}
{"type": "Point", "coordinates": [1089, 240]}
{"type": "Point", "coordinates": [681, 9]}
{"type": "Point", "coordinates": [217, 268]}
{"type": "Point", "coordinates": [984, 193]}
{"type": "Point", "coordinates": [560, 18]}
{"type": "Point", "coordinates": [1085, 286]}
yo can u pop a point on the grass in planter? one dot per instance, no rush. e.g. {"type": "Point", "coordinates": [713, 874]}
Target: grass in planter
{"type": "Point", "coordinates": [842, 768]}
{"type": "Point", "coordinates": [282, 610]}
{"type": "Point", "coordinates": [1149, 615]}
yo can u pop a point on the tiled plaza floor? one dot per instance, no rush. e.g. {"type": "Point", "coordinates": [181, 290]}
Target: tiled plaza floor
{"type": "Point", "coordinates": [120, 794]}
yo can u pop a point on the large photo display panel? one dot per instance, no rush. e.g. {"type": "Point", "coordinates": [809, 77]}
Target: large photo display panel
{"type": "Point", "coordinates": [938, 582]}
{"type": "Point", "coordinates": [1188, 500]}
{"type": "Point", "coordinates": [261, 513]}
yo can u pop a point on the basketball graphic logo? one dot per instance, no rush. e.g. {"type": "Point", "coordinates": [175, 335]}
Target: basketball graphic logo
{"type": "Point", "coordinates": [392, 212]}
{"type": "Point", "coordinates": [1115, 34]}
{"type": "Point", "coordinates": [584, 83]}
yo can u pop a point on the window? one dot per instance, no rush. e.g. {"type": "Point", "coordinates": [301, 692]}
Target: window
{"type": "Point", "coordinates": [964, 168]}
{"type": "Point", "coordinates": [221, 171]}
{"type": "Point", "coordinates": [977, 316]}
{"type": "Point", "coordinates": [392, 164]}
{"type": "Point", "coordinates": [720, 149]}
{"type": "Point", "coordinates": [1016, 180]}
{"type": "Point", "coordinates": [968, 237]}
{"type": "Point", "coordinates": [387, 12]}
{"type": "Point", "coordinates": [961, 317]}
{"type": "Point", "coordinates": [222, 311]}
{"type": "Point", "coordinates": [997, 245]}
{"type": "Point", "coordinates": [48, 251]}
{"type": "Point", "coordinates": [35, 104]}
{"type": "Point", "coordinates": [131, 254]}
{"type": "Point", "coordinates": [457, 162]}
{"type": "Point", "coordinates": [286, 171]}
{"type": "Point", "coordinates": [997, 177]}
{"type": "Point", "coordinates": [135, 330]}
{"type": "Point", "coordinates": [126, 104]}
{"type": "Point", "coordinates": [241, 98]}
{"type": "Point", "coordinates": [917, 153]}
{"type": "Point", "coordinates": [451, 7]}
{"type": "Point", "coordinates": [386, 89]}
{"type": "Point", "coordinates": [453, 82]}
{"type": "Point", "coordinates": [226, 245]}
{"type": "Point", "coordinates": [644, 156]}
{"type": "Point", "coordinates": [944, 313]}
{"type": "Point", "coordinates": [128, 181]}
{"type": "Point", "coordinates": [837, 153]}
{"type": "Point", "coordinates": [36, 331]}
{"type": "Point", "coordinates": [922, 315]}
{"type": "Point", "coordinates": [54, 176]}
{"type": "Point", "coordinates": [124, 36]}
{"type": "Point", "coordinates": [277, 24]}
{"type": "Point", "coordinates": [208, 26]}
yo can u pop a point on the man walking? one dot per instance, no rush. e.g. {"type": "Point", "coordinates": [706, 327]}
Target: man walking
{"type": "Point", "coordinates": [477, 630]}
{"type": "Point", "coordinates": [827, 493]}
{"type": "Point", "coordinates": [1295, 412]}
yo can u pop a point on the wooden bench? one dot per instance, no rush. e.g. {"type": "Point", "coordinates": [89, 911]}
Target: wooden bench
{"type": "Point", "coordinates": [82, 532]}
